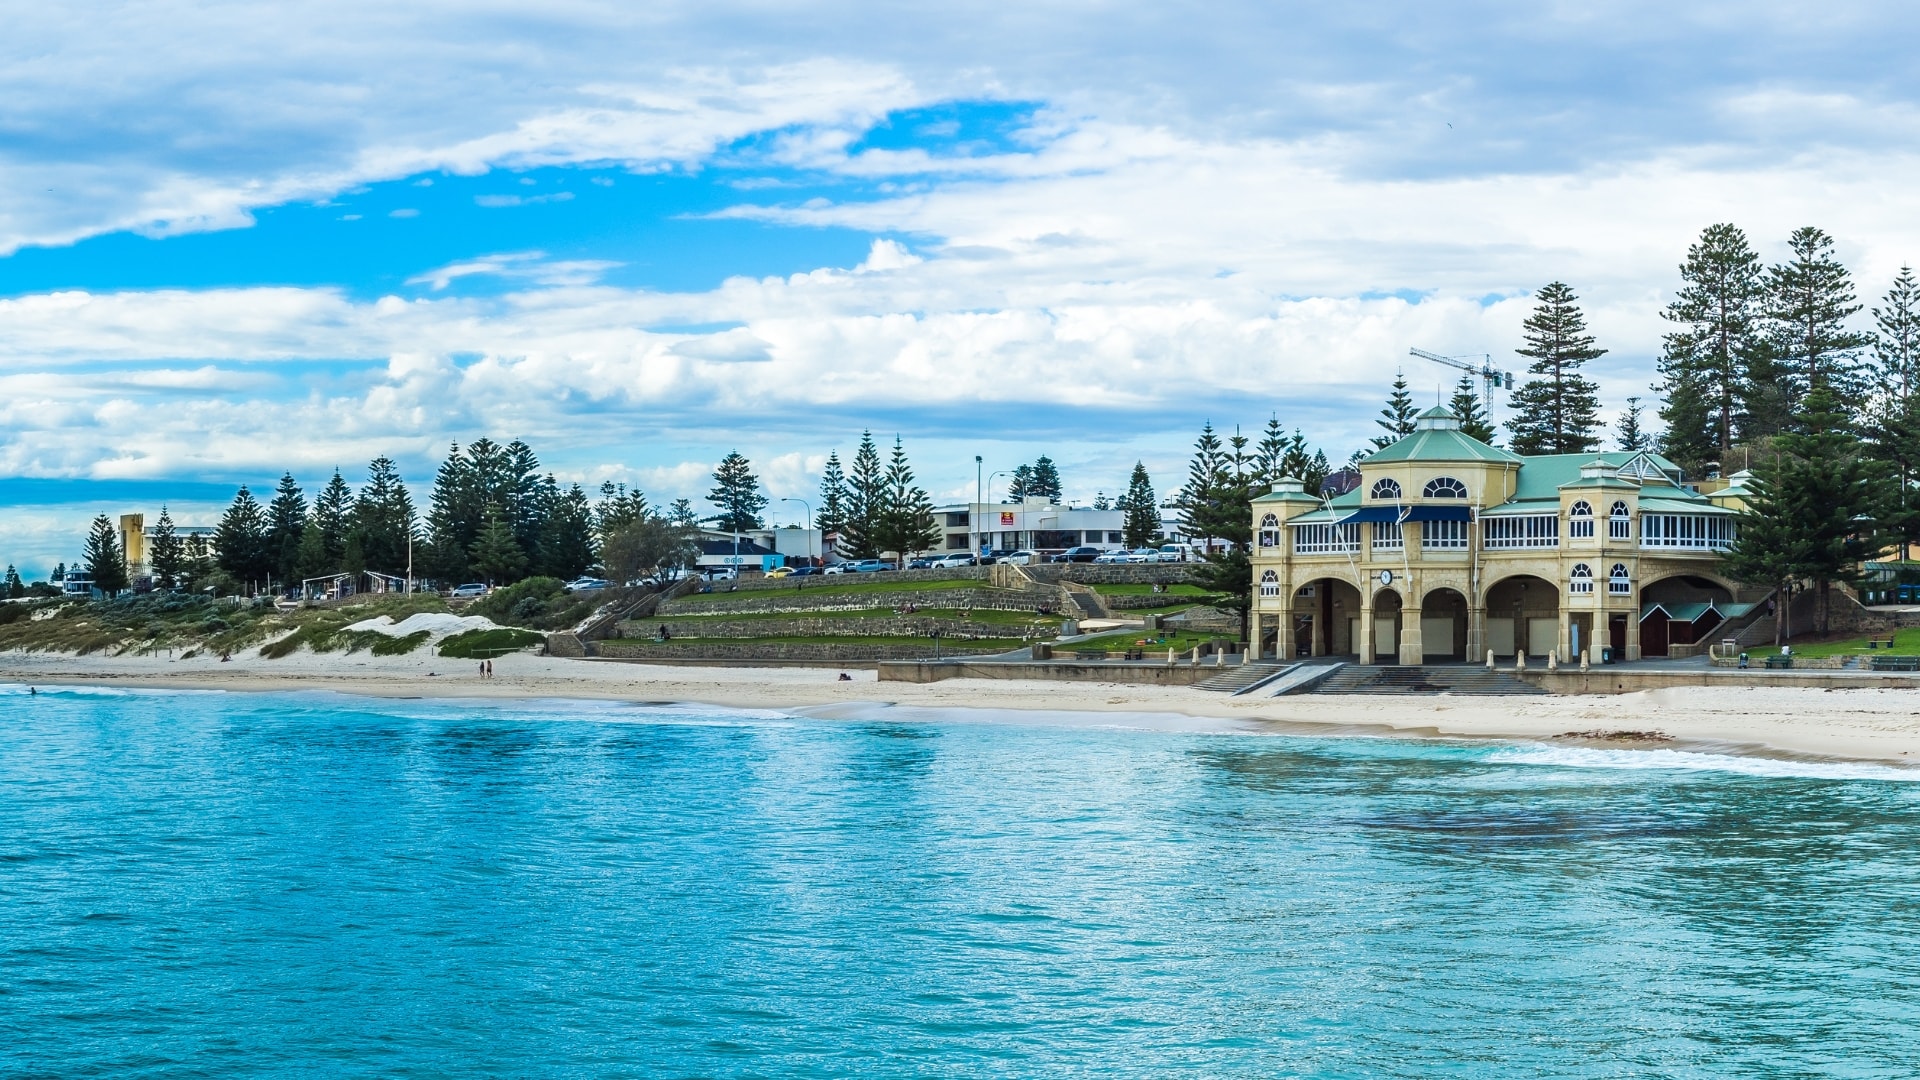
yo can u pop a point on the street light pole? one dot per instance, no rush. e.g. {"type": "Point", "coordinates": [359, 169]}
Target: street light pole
{"type": "Point", "coordinates": [978, 506]}
{"type": "Point", "coordinates": [807, 524]}
{"type": "Point", "coordinates": [990, 478]}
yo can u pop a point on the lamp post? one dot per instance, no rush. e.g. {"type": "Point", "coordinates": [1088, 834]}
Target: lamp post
{"type": "Point", "coordinates": [980, 507]}
{"type": "Point", "coordinates": [807, 524]}
{"type": "Point", "coordinates": [990, 479]}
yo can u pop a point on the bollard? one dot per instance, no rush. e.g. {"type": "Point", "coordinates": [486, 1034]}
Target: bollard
{"type": "Point", "coordinates": [1169, 654]}
{"type": "Point", "coordinates": [1553, 660]}
{"type": "Point", "coordinates": [1520, 660]}
{"type": "Point", "coordinates": [1220, 658]}
{"type": "Point", "coordinates": [1586, 658]}
{"type": "Point", "coordinates": [1196, 656]}
{"type": "Point", "coordinates": [1489, 659]}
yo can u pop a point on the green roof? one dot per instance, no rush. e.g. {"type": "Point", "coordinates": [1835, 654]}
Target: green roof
{"type": "Point", "coordinates": [1671, 504]}
{"type": "Point", "coordinates": [1543, 476]}
{"type": "Point", "coordinates": [1440, 444]}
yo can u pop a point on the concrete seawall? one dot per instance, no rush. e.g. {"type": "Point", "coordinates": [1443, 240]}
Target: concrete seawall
{"type": "Point", "coordinates": [1156, 674]}
{"type": "Point", "coordinates": [1602, 681]}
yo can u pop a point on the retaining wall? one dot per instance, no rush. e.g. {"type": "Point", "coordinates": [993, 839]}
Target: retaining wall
{"type": "Point", "coordinates": [1111, 573]}
{"type": "Point", "coordinates": [1603, 681]}
{"type": "Point", "coordinates": [1156, 674]}
{"type": "Point", "coordinates": [762, 651]}
{"type": "Point", "coordinates": [812, 600]}
{"type": "Point", "coordinates": [873, 626]}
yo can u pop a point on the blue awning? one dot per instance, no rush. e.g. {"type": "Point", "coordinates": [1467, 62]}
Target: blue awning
{"type": "Point", "coordinates": [1372, 515]}
{"type": "Point", "coordinates": [1429, 512]}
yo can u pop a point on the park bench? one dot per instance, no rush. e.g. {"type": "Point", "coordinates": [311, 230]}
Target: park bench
{"type": "Point", "coordinates": [1895, 663]}
{"type": "Point", "coordinates": [1774, 662]}
{"type": "Point", "coordinates": [1090, 654]}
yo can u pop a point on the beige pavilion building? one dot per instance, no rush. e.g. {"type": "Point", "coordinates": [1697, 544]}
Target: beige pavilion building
{"type": "Point", "coordinates": [1449, 548]}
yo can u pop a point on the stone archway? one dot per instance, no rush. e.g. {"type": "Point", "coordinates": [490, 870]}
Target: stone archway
{"type": "Point", "coordinates": [1326, 618]}
{"type": "Point", "coordinates": [1443, 626]}
{"type": "Point", "coordinates": [1386, 626]}
{"type": "Point", "coordinates": [1523, 613]}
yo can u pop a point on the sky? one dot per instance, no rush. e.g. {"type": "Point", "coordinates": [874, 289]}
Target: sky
{"type": "Point", "coordinates": [241, 239]}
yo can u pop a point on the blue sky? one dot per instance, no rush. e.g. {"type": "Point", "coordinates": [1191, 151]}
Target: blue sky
{"type": "Point", "coordinates": [242, 239]}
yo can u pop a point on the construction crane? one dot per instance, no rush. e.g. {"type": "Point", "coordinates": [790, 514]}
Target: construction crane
{"type": "Point", "coordinates": [1491, 378]}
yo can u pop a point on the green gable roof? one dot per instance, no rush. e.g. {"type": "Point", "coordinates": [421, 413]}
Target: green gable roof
{"type": "Point", "coordinates": [1441, 444]}
{"type": "Point", "coordinates": [1543, 476]}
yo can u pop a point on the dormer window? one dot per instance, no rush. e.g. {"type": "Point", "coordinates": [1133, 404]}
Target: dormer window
{"type": "Point", "coordinates": [1444, 487]}
{"type": "Point", "coordinates": [1385, 488]}
{"type": "Point", "coordinates": [1580, 521]}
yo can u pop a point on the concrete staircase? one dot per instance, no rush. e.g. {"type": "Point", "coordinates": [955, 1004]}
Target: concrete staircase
{"type": "Point", "coordinates": [1235, 680]}
{"type": "Point", "coordinates": [1462, 679]}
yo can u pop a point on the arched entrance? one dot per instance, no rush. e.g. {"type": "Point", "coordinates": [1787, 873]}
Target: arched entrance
{"type": "Point", "coordinates": [1681, 610]}
{"type": "Point", "coordinates": [1326, 618]}
{"type": "Point", "coordinates": [1523, 613]}
{"type": "Point", "coordinates": [1386, 627]}
{"type": "Point", "coordinates": [1443, 626]}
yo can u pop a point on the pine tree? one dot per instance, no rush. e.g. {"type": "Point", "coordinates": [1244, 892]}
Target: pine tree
{"type": "Point", "coordinates": [1045, 482]}
{"type": "Point", "coordinates": [383, 519]}
{"type": "Point", "coordinates": [165, 554]}
{"type": "Point", "coordinates": [1556, 413]}
{"type": "Point", "coordinates": [1101, 502]}
{"type": "Point", "coordinates": [312, 560]}
{"type": "Point", "coordinates": [1816, 503]}
{"type": "Point", "coordinates": [1467, 406]}
{"type": "Point", "coordinates": [1021, 484]}
{"type": "Point", "coordinates": [59, 574]}
{"type": "Point", "coordinates": [681, 514]}
{"type": "Point", "coordinates": [286, 520]}
{"type": "Point", "coordinates": [1206, 475]}
{"type": "Point", "coordinates": [333, 513]}
{"type": "Point", "coordinates": [106, 563]}
{"type": "Point", "coordinates": [831, 518]}
{"type": "Point", "coordinates": [566, 536]}
{"type": "Point", "coordinates": [241, 539]}
{"type": "Point", "coordinates": [496, 555]}
{"type": "Point", "coordinates": [618, 507]}
{"type": "Point", "coordinates": [866, 503]}
{"type": "Point", "coordinates": [1270, 455]}
{"type": "Point", "coordinates": [736, 494]}
{"type": "Point", "coordinates": [908, 525]}
{"type": "Point", "coordinates": [14, 586]}
{"type": "Point", "coordinates": [1809, 300]}
{"type": "Point", "coordinates": [451, 521]}
{"type": "Point", "coordinates": [525, 496]}
{"type": "Point", "coordinates": [1705, 362]}
{"type": "Point", "coordinates": [1631, 437]}
{"type": "Point", "coordinates": [1316, 474]}
{"type": "Point", "coordinates": [1142, 522]}
{"type": "Point", "coordinates": [1397, 418]}
{"type": "Point", "coordinates": [1892, 419]}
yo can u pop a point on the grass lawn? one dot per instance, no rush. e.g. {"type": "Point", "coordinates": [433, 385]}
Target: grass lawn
{"type": "Point", "coordinates": [1138, 612]}
{"type": "Point", "coordinates": [1146, 590]}
{"type": "Point", "coordinates": [817, 586]}
{"type": "Point", "coordinates": [1905, 643]}
{"type": "Point", "coordinates": [946, 644]}
{"type": "Point", "coordinates": [979, 615]}
{"type": "Point", "coordinates": [1180, 642]}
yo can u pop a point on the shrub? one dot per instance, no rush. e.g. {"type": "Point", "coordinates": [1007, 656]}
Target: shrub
{"type": "Point", "coordinates": [501, 604]}
{"type": "Point", "coordinates": [486, 644]}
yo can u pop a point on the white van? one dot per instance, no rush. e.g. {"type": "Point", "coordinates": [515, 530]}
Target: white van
{"type": "Point", "coordinates": [1181, 552]}
{"type": "Point", "coordinates": [1022, 558]}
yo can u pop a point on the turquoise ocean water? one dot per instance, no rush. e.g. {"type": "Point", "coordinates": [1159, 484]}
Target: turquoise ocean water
{"type": "Point", "coordinates": [196, 884]}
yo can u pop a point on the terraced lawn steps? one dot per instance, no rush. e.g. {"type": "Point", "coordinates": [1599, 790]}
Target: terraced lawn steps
{"type": "Point", "coordinates": [1449, 679]}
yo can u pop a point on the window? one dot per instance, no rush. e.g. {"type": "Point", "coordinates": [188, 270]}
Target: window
{"type": "Point", "coordinates": [1532, 531]}
{"type": "Point", "coordinates": [1116, 538]}
{"type": "Point", "coordinates": [1619, 523]}
{"type": "Point", "coordinates": [1270, 531]}
{"type": "Point", "coordinates": [1582, 582]}
{"type": "Point", "coordinates": [1387, 537]}
{"type": "Point", "coordinates": [1440, 535]}
{"type": "Point", "coordinates": [1444, 487]}
{"type": "Point", "coordinates": [1385, 488]}
{"type": "Point", "coordinates": [1269, 584]}
{"type": "Point", "coordinates": [1580, 521]}
{"type": "Point", "coordinates": [1325, 539]}
{"type": "Point", "coordinates": [1700, 531]}
{"type": "Point", "coordinates": [1618, 584]}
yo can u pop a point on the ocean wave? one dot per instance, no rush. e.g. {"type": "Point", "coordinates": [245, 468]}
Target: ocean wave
{"type": "Point", "coordinates": [1593, 757]}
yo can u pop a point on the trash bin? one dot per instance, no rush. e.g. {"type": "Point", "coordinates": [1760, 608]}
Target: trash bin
{"type": "Point", "coordinates": [1606, 654]}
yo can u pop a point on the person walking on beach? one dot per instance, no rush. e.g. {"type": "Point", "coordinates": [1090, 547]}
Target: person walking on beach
{"type": "Point", "coordinates": [489, 669]}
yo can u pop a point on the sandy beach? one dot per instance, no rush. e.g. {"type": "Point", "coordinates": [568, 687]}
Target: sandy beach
{"type": "Point", "coordinates": [1866, 724]}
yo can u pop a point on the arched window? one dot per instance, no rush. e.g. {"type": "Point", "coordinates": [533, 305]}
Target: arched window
{"type": "Point", "coordinates": [1582, 580]}
{"type": "Point", "coordinates": [1444, 487]}
{"type": "Point", "coordinates": [1386, 488]}
{"type": "Point", "coordinates": [1269, 584]}
{"type": "Point", "coordinates": [1618, 584]}
{"type": "Point", "coordinates": [1619, 523]}
{"type": "Point", "coordinates": [1580, 521]}
{"type": "Point", "coordinates": [1270, 531]}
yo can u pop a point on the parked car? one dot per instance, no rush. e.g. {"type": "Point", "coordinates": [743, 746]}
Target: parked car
{"type": "Point", "coordinates": [872, 566]}
{"type": "Point", "coordinates": [954, 559]}
{"type": "Point", "coordinates": [780, 572]}
{"type": "Point", "coordinates": [924, 562]}
{"type": "Point", "coordinates": [1139, 555]}
{"type": "Point", "coordinates": [1083, 553]}
{"type": "Point", "coordinates": [468, 591]}
{"type": "Point", "coordinates": [839, 568]}
{"type": "Point", "coordinates": [586, 584]}
{"type": "Point", "coordinates": [720, 573]}
{"type": "Point", "coordinates": [1021, 558]}
{"type": "Point", "coordinates": [806, 571]}
{"type": "Point", "coordinates": [1113, 557]}
{"type": "Point", "coordinates": [1177, 553]}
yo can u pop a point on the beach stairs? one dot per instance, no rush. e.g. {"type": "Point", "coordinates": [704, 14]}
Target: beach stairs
{"type": "Point", "coordinates": [1088, 604]}
{"type": "Point", "coordinates": [1451, 679]}
{"type": "Point", "coordinates": [1242, 678]}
